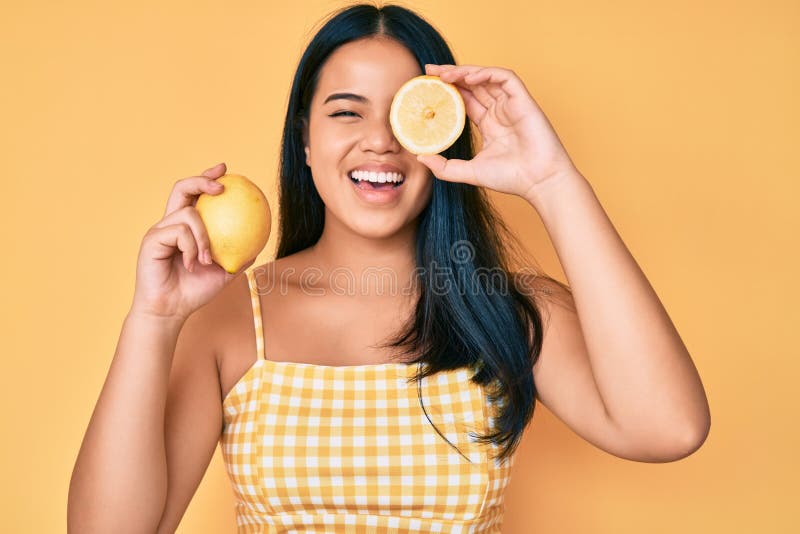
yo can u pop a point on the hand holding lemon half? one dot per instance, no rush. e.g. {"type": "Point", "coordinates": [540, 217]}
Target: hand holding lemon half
{"type": "Point", "coordinates": [427, 115]}
{"type": "Point", "coordinates": [237, 221]}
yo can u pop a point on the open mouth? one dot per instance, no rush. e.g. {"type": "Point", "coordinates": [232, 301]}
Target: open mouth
{"type": "Point", "coordinates": [376, 181]}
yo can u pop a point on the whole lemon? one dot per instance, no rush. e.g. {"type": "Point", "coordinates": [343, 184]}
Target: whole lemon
{"type": "Point", "coordinates": [238, 221]}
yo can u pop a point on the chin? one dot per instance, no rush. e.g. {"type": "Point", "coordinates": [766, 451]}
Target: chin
{"type": "Point", "coordinates": [375, 229]}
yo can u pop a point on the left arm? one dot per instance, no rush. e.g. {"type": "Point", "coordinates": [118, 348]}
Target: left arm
{"type": "Point", "coordinates": [614, 369]}
{"type": "Point", "coordinates": [621, 336]}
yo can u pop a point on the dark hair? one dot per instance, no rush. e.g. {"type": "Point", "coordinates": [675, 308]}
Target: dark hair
{"type": "Point", "coordinates": [480, 322]}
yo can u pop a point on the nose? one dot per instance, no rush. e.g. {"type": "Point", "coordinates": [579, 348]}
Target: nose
{"type": "Point", "coordinates": [379, 137]}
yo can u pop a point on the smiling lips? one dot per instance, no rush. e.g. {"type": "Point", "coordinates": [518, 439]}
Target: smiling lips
{"type": "Point", "coordinates": [377, 177]}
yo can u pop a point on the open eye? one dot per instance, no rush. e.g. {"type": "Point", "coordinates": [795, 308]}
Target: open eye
{"type": "Point", "coordinates": [344, 114]}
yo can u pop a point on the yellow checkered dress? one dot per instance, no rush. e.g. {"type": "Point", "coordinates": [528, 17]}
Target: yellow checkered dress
{"type": "Point", "coordinates": [315, 448]}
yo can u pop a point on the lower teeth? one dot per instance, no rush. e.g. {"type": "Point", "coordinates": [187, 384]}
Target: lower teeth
{"type": "Point", "coordinates": [377, 185]}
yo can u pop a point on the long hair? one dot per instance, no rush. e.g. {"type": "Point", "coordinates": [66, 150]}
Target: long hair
{"type": "Point", "coordinates": [481, 321]}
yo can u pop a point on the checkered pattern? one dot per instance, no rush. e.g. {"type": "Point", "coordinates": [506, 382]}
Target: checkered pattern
{"type": "Point", "coordinates": [314, 448]}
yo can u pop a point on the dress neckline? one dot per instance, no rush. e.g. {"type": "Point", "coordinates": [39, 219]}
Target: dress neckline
{"type": "Point", "coordinates": [334, 368]}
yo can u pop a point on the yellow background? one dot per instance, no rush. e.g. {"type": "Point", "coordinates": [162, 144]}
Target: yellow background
{"type": "Point", "coordinates": [683, 116]}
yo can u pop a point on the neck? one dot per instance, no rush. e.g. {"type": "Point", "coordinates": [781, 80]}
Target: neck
{"type": "Point", "coordinates": [377, 265]}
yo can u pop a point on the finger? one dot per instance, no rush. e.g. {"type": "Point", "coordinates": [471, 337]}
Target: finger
{"type": "Point", "coordinates": [450, 170]}
{"type": "Point", "coordinates": [185, 191]}
{"type": "Point", "coordinates": [475, 110]}
{"type": "Point", "coordinates": [476, 100]}
{"type": "Point", "coordinates": [495, 90]}
{"type": "Point", "coordinates": [483, 96]}
{"type": "Point", "coordinates": [504, 78]}
{"type": "Point", "coordinates": [169, 238]}
{"type": "Point", "coordinates": [434, 70]}
{"type": "Point", "coordinates": [188, 215]}
{"type": "Point", "coordinates": [455, 76]}
{"type": "Point", "coordinates": [452, 70]}
{"type": "Point", "coordinates": [459, 78]}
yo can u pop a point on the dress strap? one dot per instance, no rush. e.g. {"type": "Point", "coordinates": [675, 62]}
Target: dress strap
{"type": "Point", "coordinates": [255, 300]}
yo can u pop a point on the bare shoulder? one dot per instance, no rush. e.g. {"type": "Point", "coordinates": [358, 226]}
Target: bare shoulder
{"type": "Point", "coordinates": [547, 292]}
{"type": "Point", "coordinates": [226, 319]}
{"type": "Point", "coordinates": [564, 353]}
{"type": "Point", "coordinates": [560, 325]}
{"type": "Point", "coordinates": [230, 316]}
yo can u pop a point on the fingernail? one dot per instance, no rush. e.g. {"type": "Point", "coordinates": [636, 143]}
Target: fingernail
{"type": "Point", "coordinates": [207, 256]}
{"type": "Point", "coordinates": [216, 185]}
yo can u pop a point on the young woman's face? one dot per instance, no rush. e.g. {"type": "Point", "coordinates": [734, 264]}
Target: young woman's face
{"type": "Point", "coordinates": [349, 129]}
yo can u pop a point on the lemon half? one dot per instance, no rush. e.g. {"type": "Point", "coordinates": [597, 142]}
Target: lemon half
{"type": "Point", "coordinates": [237, 221]}
{"type": "Point", "coordinates": [427, 115]}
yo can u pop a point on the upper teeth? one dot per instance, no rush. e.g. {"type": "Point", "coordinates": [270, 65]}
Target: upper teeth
{"type": "Point", "coordinates": [377, 176]}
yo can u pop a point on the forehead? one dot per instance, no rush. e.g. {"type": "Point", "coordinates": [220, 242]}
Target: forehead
{"type": "Point", "coordinates": [375, 68]}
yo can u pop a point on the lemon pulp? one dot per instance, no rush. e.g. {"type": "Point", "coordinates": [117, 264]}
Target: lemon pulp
{"type": "Point", "coordinates": [427, 115]}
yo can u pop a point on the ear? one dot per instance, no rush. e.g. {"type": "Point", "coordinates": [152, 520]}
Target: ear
{"type": "Point", "coordinates": [305, 141]}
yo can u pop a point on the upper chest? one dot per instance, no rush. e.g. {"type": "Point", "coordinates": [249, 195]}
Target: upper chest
{"type": "Point", "coordinates": [329, 329]}
{"type": "Point", "coordinates": [299, 324]}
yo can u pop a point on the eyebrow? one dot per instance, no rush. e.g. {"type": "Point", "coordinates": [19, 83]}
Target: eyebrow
{"type": "Point", "coordinates": [346, 96]}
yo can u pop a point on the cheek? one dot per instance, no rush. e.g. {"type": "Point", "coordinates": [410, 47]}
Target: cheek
{"type": "Point", "coordinates": [425, 192]}
{"type": "Point", "coordinates": [328, 152]}
{"type": "Point", "coordinates": [423, 178]}
{"type": "Point", "coordinates": [329, 146]}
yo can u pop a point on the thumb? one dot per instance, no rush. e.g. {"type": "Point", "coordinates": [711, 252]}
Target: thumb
{"type": "Point", "coordinates": [450, 170]}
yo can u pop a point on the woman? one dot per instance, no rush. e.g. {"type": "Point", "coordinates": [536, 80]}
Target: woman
{"type": "Point", "coordinates": [309, 386]}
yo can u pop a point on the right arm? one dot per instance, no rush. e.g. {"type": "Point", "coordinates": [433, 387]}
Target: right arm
{"type": "Point", "coordinates": [119, 483]}
{"type": "Point", "coordinates": [158, 419]}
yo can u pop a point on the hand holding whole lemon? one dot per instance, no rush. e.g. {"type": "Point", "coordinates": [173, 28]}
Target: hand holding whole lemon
{"type": "Point", "coordinates": [209, 218]}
